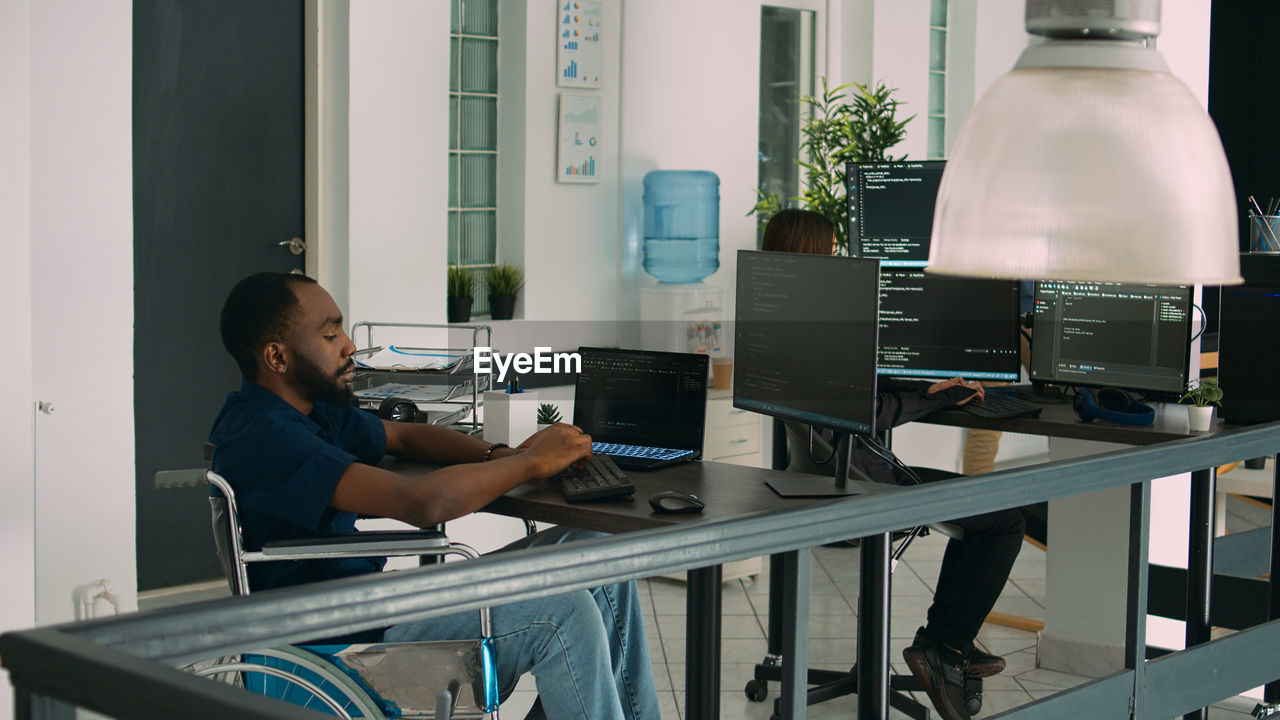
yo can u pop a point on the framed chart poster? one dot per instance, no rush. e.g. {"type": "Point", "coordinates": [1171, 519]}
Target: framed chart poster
{"type": "Point", "coordinates": [579, 147]}
{"type": "Point", "coordinates": [578, 43]}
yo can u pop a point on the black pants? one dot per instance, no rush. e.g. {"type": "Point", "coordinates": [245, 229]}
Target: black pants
{"type": "Point", "coordinates": [974, 570]}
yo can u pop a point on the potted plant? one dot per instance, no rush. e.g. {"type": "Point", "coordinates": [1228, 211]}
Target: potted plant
{"type": "Point", "coordinates": [1200, 396]}
{"type": "Point", "coordinates": [459, 286]}
{"type": "Point", "coordinates": [504, 282]}
{"type": "Point", "coordinates": [548, 415]}
{"type": "Point", "coordinates": [847, 123]}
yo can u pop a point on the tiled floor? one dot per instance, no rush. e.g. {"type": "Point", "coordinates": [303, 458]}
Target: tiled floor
{"type": "Point", "coordinates": [832, 630]}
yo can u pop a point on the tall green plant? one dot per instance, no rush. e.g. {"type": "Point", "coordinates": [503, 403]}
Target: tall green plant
{"type": "Point", "coordinates": [847, 123]}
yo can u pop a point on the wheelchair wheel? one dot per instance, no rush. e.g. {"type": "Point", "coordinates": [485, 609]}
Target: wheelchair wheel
{"type": "Point", "coordinates": [295, 676]}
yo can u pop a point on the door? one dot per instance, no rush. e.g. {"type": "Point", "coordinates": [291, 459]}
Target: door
{"type": "Point", "coordinates": [218, 184]}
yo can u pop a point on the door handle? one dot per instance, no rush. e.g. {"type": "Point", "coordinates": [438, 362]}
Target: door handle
{"type": "Point", "coordinates": [296, 245]}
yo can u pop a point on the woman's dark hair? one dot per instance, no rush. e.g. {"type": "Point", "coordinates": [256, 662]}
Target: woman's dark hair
{"type": "Point", "coordinates": [260, 309]}
{"type": "Point", "coordinates": [803, 231]}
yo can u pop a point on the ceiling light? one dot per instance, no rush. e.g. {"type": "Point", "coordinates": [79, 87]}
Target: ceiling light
{"type": "Point", "coordinates": [1088, 161]}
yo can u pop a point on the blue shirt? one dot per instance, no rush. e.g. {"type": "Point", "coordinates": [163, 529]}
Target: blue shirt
{"type": "Point", "coordinates": [284, 467]}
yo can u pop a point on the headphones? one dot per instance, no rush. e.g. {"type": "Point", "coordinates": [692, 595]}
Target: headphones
{"type": "Point", "coordinates": [398, 410]}
{"type": "Point", "coordinates": [1113, 405]}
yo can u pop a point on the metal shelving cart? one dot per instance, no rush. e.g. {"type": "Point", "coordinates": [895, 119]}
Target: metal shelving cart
{"type": "Point", "coordinates": [449, 394]}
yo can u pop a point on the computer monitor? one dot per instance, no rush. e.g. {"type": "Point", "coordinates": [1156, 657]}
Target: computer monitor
{"type": "Point", "coordinates": [930, 326]}
{"type": "Point", "coordinates": [1134, 337]}
{"type": "Point", "coordinates": [805, 343]}
{"type": "Point", "coordinates": [943, 327]}
{"type": "Point", "coordinates": [891, 210]}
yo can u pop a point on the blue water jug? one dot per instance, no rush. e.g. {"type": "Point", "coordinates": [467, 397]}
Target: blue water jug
{"type": "Point", "coordinates": [681, 225]}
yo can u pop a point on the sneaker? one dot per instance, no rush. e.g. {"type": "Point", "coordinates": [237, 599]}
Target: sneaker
{"type": "Point", "coordinates": [942, 680]}
{"type": "Point", "coordinates": [981, 665]}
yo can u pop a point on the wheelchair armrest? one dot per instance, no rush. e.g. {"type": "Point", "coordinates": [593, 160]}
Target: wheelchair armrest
{"type": "Point", "coordinates": [378, 543]}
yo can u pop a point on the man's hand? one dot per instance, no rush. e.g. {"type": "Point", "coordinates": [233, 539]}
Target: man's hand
{"type": "Point", "coordinates": [979, 392]}
{"type": "Point", "coordinates": [554, 448]}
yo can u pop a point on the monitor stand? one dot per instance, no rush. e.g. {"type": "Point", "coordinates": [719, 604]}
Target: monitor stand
{"type": "Point", "coordinates": [812, 486]}
{"type": "Point", "coordinates": [1041, 393]}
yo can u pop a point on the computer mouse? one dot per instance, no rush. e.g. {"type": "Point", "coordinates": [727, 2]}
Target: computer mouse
{"type": "Point", "coordinates": [671, 501]}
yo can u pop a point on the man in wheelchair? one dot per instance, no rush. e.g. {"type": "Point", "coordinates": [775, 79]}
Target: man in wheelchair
{"type": "Point", "coordinates": [302, 460]}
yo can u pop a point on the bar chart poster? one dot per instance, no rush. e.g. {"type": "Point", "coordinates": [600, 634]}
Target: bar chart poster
{"type": "Point", "coordinates": [578, 43]}
{"type": "Point", "coordinates": [579, 153]}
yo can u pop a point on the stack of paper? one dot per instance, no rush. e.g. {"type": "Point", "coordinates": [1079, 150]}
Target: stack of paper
{"type": "Point", "coordinates": [412, 393]}
{"type": "Point", "coordinates": [394, 358]}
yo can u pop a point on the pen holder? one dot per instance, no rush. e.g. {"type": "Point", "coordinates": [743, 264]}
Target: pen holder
{"type": "Point", "coordinates": [510, 417]}
{"type": "Point", "coordinates": [1264, 233]}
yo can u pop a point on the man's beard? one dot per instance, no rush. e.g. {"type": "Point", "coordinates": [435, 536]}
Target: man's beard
{"type": "Point", "coordinates": [321, 387]}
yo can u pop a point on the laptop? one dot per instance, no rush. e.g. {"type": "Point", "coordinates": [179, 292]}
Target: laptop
{"type": "Point", "coordinates": [642, 408]}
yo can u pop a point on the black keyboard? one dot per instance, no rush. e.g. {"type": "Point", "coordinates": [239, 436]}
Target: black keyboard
{"type": "Point", "coordinates": [598, 479]}
{"type": "Point", "coordinates": [1001, 405]}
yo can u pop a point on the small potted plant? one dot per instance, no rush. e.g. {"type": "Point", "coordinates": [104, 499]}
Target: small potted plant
{"type": "Point", "coordinates": [548, 415]}
{"type": "Point", "coordinates": [1200, 396]}
{"type": "Point", "coordinates": [459, 285]}
{"type": "Point", "coordinates": [504, 282]}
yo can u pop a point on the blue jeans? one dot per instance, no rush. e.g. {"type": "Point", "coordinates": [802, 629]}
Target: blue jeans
{"type": "Point", "coordinates": [587, 649]}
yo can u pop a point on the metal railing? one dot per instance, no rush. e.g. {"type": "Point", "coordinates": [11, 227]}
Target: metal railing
{"type": "Point", "coordinates": [91, 664]}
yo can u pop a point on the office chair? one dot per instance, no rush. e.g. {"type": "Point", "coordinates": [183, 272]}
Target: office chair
{"type": "Point", "coordinates": [380, 680]}
{"type": "Point", "coordinates": [791, 444]}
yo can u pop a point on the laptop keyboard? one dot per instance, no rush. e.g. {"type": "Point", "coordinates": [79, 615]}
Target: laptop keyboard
{"type": "Point", "coordinates": [1001, 405]}
{"type": "Point", "coordinates": [598, 479]}
{"type": "Point", "coordinates": [638, 451]}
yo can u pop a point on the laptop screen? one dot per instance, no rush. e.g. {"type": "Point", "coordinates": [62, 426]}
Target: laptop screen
{"type": "Point", "coordinates": [640, 397]}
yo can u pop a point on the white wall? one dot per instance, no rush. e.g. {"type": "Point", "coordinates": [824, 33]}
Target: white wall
{"type": "Point", "coordinates": [82, 298]}
{"type": "Point", "coordinates": [849, 42]}
{"type": "Point", "coordinates": [568, 231]}
{"type": "Point", "coordinates": [561, 233]}
{"type": "Point", "coordinates": [66, 202]}
{"type": "Point", "coordinates": [1184, 43]}
{"type": "Point", "coordinates": [17, 487]}
{"type": "Point", "coordinates": [690, 100]}
{"type": "Point", "coordinates": [399, 125]}
{"type": "Point", "coordinates": [900, 59]}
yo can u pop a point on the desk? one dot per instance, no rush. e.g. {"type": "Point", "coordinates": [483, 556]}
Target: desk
{"type": "Point", "coordinates": [728, 490]}
{"type": "Point", "coordinates": [1085, 594]}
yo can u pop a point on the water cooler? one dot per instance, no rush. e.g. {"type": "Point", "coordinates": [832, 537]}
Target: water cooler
{"type": "Point", "coordinates": [681, 247]}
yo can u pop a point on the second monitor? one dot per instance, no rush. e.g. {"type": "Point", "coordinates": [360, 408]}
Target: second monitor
{"type": "Point", "coordinates": [1134, 337]}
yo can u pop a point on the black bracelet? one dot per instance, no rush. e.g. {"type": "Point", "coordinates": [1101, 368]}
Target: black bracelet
{"type": "Point", "coordinates": [488, 454]}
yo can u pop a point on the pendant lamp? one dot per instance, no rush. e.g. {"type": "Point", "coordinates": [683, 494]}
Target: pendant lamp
{"type": "Point", "coordinates": [1088, 161]}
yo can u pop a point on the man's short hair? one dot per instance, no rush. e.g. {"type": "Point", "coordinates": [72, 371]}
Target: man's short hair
{"type": "Point", "coordinates": [260, 309]}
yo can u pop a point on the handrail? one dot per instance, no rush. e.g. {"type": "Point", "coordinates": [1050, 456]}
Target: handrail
{"type": "Point", "coordinates": [297, 614]}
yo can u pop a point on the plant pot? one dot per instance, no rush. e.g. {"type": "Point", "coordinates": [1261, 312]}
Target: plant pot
{"type": "Point", "coordinates": [502, 307]}
{"type": "Point", "coordinates": [459, 309]}
{"type": "Point", "coordinates": [543, 426]}
{"type": "Point", "coordinates": [1200, 418]}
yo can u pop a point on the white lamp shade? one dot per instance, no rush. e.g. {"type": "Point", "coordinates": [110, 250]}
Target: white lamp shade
{"type": "Point", "coordinates": [1087, 174]}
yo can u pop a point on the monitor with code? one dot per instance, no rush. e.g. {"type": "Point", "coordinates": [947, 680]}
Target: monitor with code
{"type": "Point", "coordinates": [1134, 337]}
{"type": "Point", "coordinates": [806, 339]}
{"type": "Point", "coordinates": [930, 326]}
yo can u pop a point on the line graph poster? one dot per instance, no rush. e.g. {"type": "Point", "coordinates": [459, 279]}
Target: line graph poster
{"type": "Point", "coordinates": [578, 43]}
{"type": "Point", "coordinates": [579, 155]}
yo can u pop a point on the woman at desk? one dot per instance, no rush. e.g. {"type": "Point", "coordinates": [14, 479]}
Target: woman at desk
{"type": "Point", "coordinates": [975, 569]}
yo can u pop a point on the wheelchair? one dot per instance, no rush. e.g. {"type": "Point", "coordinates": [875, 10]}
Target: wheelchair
{"type": "Point", "coordinates": [439, 679]}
